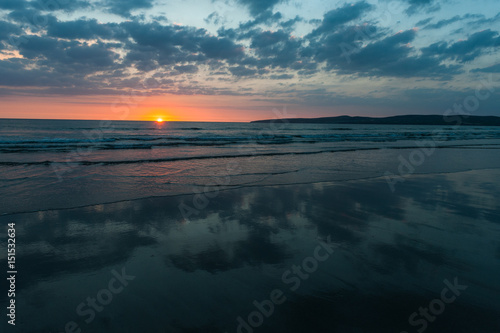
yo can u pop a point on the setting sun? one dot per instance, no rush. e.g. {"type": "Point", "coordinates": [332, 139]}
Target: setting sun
{"type": "Point", "coordinates": [159, 120]}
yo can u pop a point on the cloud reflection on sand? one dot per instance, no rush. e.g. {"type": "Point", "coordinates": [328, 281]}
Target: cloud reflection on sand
{"type": "Point", "coordinates": [395, 249]}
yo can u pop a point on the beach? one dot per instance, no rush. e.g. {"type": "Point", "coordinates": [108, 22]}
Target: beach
{"type": "Point", "coordinates": [298, 237]}
{"type": "Point", "coordinates": [54, 164]}
{"type": "Point", "coordinates": [249, 166]}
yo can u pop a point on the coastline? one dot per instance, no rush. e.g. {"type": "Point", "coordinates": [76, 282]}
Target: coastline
{"type": "Point", "coordinates": [91, 185]}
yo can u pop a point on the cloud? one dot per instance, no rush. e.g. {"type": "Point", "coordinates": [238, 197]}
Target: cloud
{"type": "Point", "coordinates": [220, 48]}
{"type": "Point", "coordinates": [383, 52]}
{"type": "Point", "coordinates": [257, 7]}
{"type": "Point", "coordinates": [340, 16]}
{"type": "Point", "coordinates": [31, 19]}
{"type": "Point", "coordinates": [13, 4]}
{"type": "Point", "coordinates": [96, 55]}
{"type": "Point", "coordinates": [124, 7]}
{"type": "Point", "coordinates": [161, 44]}
{"type": "Point", "coordinates": [423, 22]}
{"type": "Point", "coordinates": [442, 23]}
{"type": "Point", "coordinates": [418, 6]}
{"type": "Point", "coordinates": [267, 17]}
{"type": "Point", "coordinates": [14, 74]}
{"type": "Point", "coordinates": [68, 58]}
{"type": "Point", "coordinates": [465, 50]}
{"type": "Point", "coordinates": [242, 71]}
{"type": "Point", "coordinates": [82, 29]}
{"type": "Point", "coordinates": [490, 69]}
{"type": "Point", "coordinates": [291, 23]}
{"type": "Point", "coordinates": [483, 21]}
{"type": "Point", "coordinates": [44, 5]}
{"type": "Point", "coordinates": [69, 6]}
{"type": "Point", "coordinates": [86, 55]}
{"type": "Point", "coordinates": [387, 56]}
{"type": "Point", "coordinates": [7, 29]}
{"type": "Point", "coordinates": [282, 77]}
{"type": "Point", "coordinates": [275, 49]}
{"type": "Point", "coordinates": [214, 18]}
{"type": "Point", "coordinates": [263, 39]}
{"type": "Point", "coordinates": [186, 69]}
{"type": "Point", "coordinates": [335, 47]}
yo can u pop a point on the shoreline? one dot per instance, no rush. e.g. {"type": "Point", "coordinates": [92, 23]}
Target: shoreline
{"type": "Point", "coordinates": [240, 187]}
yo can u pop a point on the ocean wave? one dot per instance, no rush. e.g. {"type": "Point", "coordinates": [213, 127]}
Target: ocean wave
{"type": "Point", "coordinates": [238, 155]}
{"type": "Point", "coordinates": [118, 142]}
{"type": "Point", "coordinates": [174, 159]}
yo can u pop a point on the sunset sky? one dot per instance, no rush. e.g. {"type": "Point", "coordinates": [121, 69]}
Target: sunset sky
{"type": "Point", "coordinates": [238, 60]}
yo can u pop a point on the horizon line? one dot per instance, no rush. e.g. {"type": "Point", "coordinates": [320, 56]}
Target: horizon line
{"type": "Point", "coordinates": [248, 121]}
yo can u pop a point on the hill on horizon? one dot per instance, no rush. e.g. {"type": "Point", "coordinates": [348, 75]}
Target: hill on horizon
{"type": "Point", "coordinates": [397, 120]}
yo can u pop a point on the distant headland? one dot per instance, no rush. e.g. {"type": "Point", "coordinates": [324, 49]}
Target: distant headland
{"type": "Point", "coordinates": [397, 120]}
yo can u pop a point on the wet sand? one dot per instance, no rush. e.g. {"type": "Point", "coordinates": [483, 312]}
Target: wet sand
{"type": "Point", "coordinates": [349, 256]}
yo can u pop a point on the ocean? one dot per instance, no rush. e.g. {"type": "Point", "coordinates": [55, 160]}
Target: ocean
{"type": "Point", "coordinates": [48, 164]}
{"type": "Point", "coordinates": [235, 227]}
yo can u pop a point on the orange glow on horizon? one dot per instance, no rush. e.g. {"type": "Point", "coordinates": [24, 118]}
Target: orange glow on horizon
{"type": "Point", "coordinates": [170, 108]}
{"type": "Point", "coordinates": [157, 115]}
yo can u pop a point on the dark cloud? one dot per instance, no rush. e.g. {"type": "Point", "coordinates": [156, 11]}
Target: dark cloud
{"type": "Point", "coordinates": [457, 18]}
{"type": "Point", "coordinates": [282, 77]}
{"type": "Point", "coordinates": [340, 43]}
{"type": "Point", "coordinates": [340, 16]}
{"type": "Point", "coordinates": [257, 7]}
{"type": "Point", "coordinates": [158, 45]}
{"type": "Point", "coordinates": [263, 39]}
{"type": "Point", "coordinates": [48, 5]}
{"type": "Point", "coordinates": [423, 22]}
{"type": "Point", "coordinates": [490, 69]}
{"type": "Point", "coordinates": [335, 47]}
{"type": "Point", "coordinates": [164, 37]}
{"type": "Point", "coordinates": [214, 18]}
{"type": "Point", "coordinates": [14, 74]}
{"type": "Point", "coordinates": [418, 6]}
{"type": "Point", "coordinates": [97, 55]}
{"type": "Point", "coordinates": [44, 5]}
{"type": "Point", "coordinates": [383, 52]}
{"type": "Point", "coordinates": [7, 29]}
{"type": "Point", "coordinates": [36, 47]}
{"type": "Point", "coordinates": [82, 29]}
{"type": "Point", "coordinates": [483, 21]}
{"type": "Point", "coordinates": [229, 33]}
{"type": "Point", "coordinates": [465, 50]}
{"type": "Point", "coordinates": [186, 69]}
{"type": "Point", "coordinates": [388, 56]}
{"type": "Point", "coordinates": [31, 19]}
{"type": "Point", "coordinates": [71, 60]}
{"type": "Point", "coordinates": [242, 71]}
{"type": "Point", "coordinates": [267, 17]}
{"type": "Point", "coordinates": [220, 48]}
{"type": "Point", "coordinates": [125, 7]}
{"type": "Point", "coordinates": [291, 23]}
{"type": "Point", "coordinates": [276, 49]}
{"type": "Point", "coordinates": [443, 23]}
{"type": "Point", "coordinates": [13, 4]}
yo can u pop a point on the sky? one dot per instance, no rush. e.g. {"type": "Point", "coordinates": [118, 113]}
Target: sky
{"type": "Point", "coordinates": [242, 60]}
